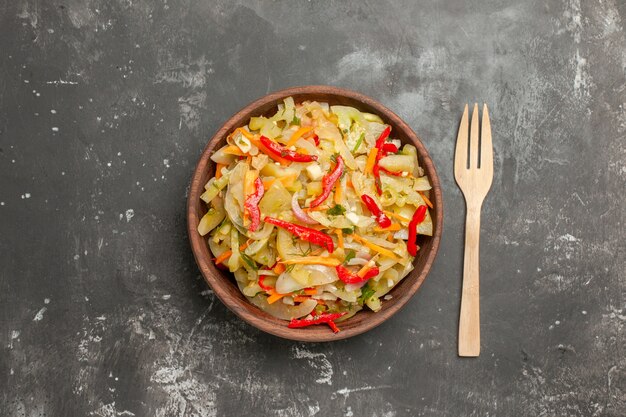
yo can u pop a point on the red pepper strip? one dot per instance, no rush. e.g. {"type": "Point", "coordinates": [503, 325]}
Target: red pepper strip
{"type": "Point", "coordinates": [380, 143]}
{"type": "Point", "coordinates": [383, 137]}
{"type": "Point", "coordinates": [262, 283]}
{"type": "Point", "coordinates": [381, 218]}
{"type": "Point", "coordinates": [305, 233]}
{"type": "Point", "coordinates": [389, 148]}
{"type": "Point", "coordinates": [283, 152]}
{"type": "Point", "coordinates": [350, 278]}
{"type": "Point", "coordinates": [316, 139]}
{"type": "Point", "coordinates": [418, 217]}
{"type": "Point", "coordinates": [328, 182]}
{"type": "Point", "coordinates": [252, 204]}
{"type": "Point", "coordinates": [321, 318]}
{"type": "Point", "coordinates": [333, 326]}
{"type": "Point", "coordinates": [386, 171]}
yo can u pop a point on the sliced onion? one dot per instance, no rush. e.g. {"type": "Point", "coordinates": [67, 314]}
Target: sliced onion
{"type": "Point", "coordinates": [267, 272]}
{"type": "Point", "coordinates": [299, 213]}
{"type": "Point", "coordinates": [286, 284]}
{"type": "Point", "coordinates": [282, 310]}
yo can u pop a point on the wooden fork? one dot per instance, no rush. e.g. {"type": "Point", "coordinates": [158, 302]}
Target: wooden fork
{"type": "Point", "coordinates": [473, 170]}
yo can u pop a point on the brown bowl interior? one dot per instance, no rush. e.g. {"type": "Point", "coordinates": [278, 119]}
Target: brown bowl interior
{"type": "Point", "coordinates": [223, 283]}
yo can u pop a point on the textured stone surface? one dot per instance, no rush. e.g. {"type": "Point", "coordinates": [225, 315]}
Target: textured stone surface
{"type": "Point", "coordinates": [106, 105]}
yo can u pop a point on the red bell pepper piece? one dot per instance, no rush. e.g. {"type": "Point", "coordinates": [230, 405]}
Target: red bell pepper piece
{"type": "Point", "coordinates": [418, 217]}
{"type": "Point", "coordinates": [386, 171]}
{"type": "Point", "coordinates": [381, 218]}
{"type": "Point", "coordinates": [316, 139]}
{"type": "Point", "coordinates": [350, 278]}
{"type": "Point", "coordinates": [333, 326]}
{"type": "Point", "coordinates": [382, 138]}
{"type": "Point", "coordinates": [305, 233]}
{"type": "Point", "coordinates": [252, 204]}
{"type": "Point", "coordinates": [283, 152]}
{"type": "Point", "coordinates": [319, 319]}
{"type": "Point", "coordinates": [328, 182]}
{"type": "Point", "coordinates": [262, 283]}
{"type": "Point", "coordinates": [389, 148]}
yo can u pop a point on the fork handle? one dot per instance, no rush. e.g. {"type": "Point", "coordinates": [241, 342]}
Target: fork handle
{"type": "Point", "coordinates": [469, 320]}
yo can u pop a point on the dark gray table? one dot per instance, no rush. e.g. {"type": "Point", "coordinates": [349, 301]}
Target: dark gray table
{"type": "Point", "coordinates": [106, 106]}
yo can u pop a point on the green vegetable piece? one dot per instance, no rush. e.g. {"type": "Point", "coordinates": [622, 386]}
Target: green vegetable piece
{"type": "Point", "coordinates": [336, 210]}
{"type": "Point", "coordinates": [351, 254]}
{"type": "Point", "coordinates": [347, 230]}
{"type": "Point", "coordinates": [366, 293]}
{"type": "Point", "coordinates": [358, 142]}
{"type": "Point", "coordinates": [295, 121]}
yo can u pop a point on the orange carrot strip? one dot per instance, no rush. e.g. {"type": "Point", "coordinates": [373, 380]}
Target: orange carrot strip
{"type": "Point", "coordinates": [300, 298]}
{"type": "Point", "coordinates": [298, 134]}
{"type": "Point", "coordinates": [371, 160]}
{"type": "Point", "coordinates": [218, 171]}
{"type": "Point", "coordinates": [426, 200]}
{"type": "Point", "coordinates": [397, 216]}
{"type": "Point", "coordinates": [229, 252]}
{"type": "Point", "coordinates": [279, 268]}
{"type": "Point", "coordinates": [393, 228]}
{"type": "Point", "coordinates": [310, 291]}
{"type": "Point", "coordinates": [233, 150]}
{"type": "Point", "coordinates": [275, 297]}
{"type": "Point", "coordinates": [339, 233]}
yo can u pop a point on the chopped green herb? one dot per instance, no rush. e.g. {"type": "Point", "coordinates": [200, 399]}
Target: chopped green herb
{"type": "Point", "coordinates": [351, 254]}
{"type": "Point", "coordinates": [358, 142]}
{"type": "Point", "coordinates": [336, 210]}
{"type": "Point", "coordinates": [366, 293]}
{"type": "Point", "coordinates": [248, 260]}
{"type": "Point", "coordinates": [347, 230]}
{"type": "Point", "coordinates": [295, 121]}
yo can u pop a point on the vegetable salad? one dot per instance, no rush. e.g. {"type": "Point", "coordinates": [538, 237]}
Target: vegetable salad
{"type": "Point", "coordinates": [315, 211]}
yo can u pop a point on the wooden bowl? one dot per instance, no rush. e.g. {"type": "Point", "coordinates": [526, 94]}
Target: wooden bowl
{"type": "Point", "coordinates": [223, 282]}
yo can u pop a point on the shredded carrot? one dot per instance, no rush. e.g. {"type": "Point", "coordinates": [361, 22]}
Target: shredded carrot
{"type": "Point", "coordinates": [279, 268]}
{"type": "Point", "coordinates": [339, 233]}
{"type": "Point", "coordinates": [301, 298]}
{"type": "Point", "coordinates": [375, 247]}
{"type": "Point", "coordinates": [397, 216]}
{"type": "Point", "coordinates": [245, 133]}
{"type": "Point", "coordinates": [229, 252]}
{"type": "Point", "coordinates": [286, 180]}
{"type": "Point", "coordinates": [233, 150]}
{"type": "Point", "coordinates": [312, 260]}
{"type": "Point", "coordinates": [338, 193]}
{"type": "Point", "coordinates": [310, 291]}
{"type": "Point", "coordinates": [349, 183]}
{"type": "Point", "coordinates": [426, 199]}
{"type": "Point", "coordinates": [218, 171]}
{"type": "Point", "coordinates": [249, 160]}
{"type": "Point", "coordinates": [275, 296]}
{"type": "Point", "coordinates": [371, 160]}
{"type": "Point", "coordinates": [365, 268]}
{"type": "Point", "coordinates": [298, 134]}
{"type": "Point", "coordinates": [393, 228]}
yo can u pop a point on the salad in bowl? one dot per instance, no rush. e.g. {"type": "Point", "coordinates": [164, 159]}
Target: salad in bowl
{"type": "Point", "coordinates": [315, 210]}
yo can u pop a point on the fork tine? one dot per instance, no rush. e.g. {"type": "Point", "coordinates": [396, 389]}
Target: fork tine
{"type": "Point", "coordinates": [473, 155]}
{"type": "Point", "coordinates": [486, 148]}
{"type": "Point", "coordinates": [460, 153]}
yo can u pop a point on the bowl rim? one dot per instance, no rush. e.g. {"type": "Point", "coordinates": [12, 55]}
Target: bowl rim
{"type": "Point", "coordinates": [213, 277]}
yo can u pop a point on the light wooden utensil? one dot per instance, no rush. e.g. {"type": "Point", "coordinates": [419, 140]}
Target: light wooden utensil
{"type": "Point", "coordinates": [473, 170]}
